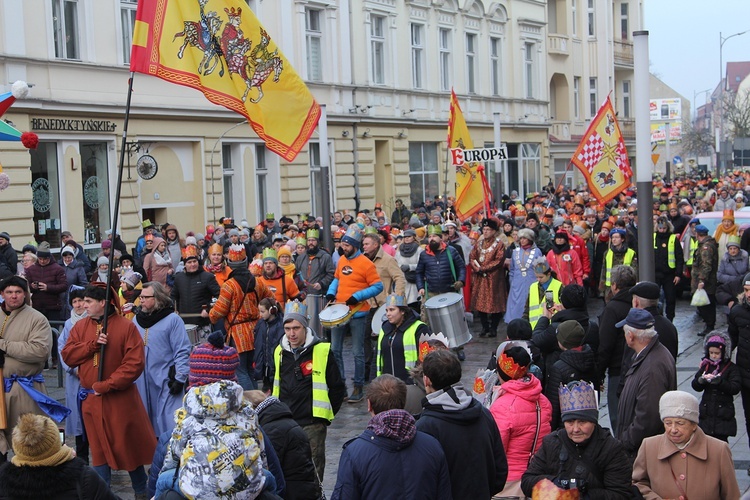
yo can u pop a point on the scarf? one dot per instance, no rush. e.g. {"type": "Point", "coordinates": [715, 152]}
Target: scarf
{"type": "Point", "coordinates": [721, 231]}
{"type": "Point", "coordinates": [130, 295]}
{"type": "Point", "coordinates": [558, 249]}
{"type": "Point", "coordinates": [147, 320]}
{"type": "Point", "coordinates": [75, 318]}
{"type": "Point", "coordinates": [525, 247]}
{"type": "Point", "coordinates": [408, 249]}
{"type": "Point", "coordinates": [619, 250]}
{"type": "Point", "coordinates": [397, 425]}
{"type": "Point", "coordinates": [161, 259]}
{"type": "Point", "coordinates": [102, 275]}
{"type": "Point", "coordinates": [214, 268]}
{"type": "Point", "coordinates": [603, 239]}
{"type": "Point", "coordinates": [289, 269]}
{"type": "Point", "coordinates": [710, 366]}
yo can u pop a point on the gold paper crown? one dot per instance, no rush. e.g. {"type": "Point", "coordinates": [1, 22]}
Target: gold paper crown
{"type": "Point", "coordinates": [300, 240]}
{"type": "Point", "coordinates": [434, 229]}
{"type": "Point", "coordinates": [313, 233]}
{"type": "Point", "coordinates": [270, 254]}
{"type": "Point", "coordinates": [190, 251]}
{"type": "Point", "coordinates": [296, 307]}
{"type": "Point", "coordinates": [216, 248]}
{"type": "Point", "coordinates": [371, 230]}
{"type": "Point", "coordinates": [577, 396]}
{"type": "Point", "coordinates": [237, 253]}
{"type": "Point", "coordinates": [734, 239]}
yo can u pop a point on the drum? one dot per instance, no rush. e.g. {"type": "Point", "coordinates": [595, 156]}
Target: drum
{"type": "Point", "coordinates": [446, 314]}
{"type": "Point", "coordinates": [315, 304]}
{"type": "Point", "coordinates": [378, 319]}
{"type": "Point", "coordinates": [337, 314]}
{"type": "Point", "coordinates": [192, 334]}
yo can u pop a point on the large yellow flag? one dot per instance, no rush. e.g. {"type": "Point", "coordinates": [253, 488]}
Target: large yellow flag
{"type": "Point", "coordinates": [602, 157]}
{"type": "Point", "coordinates": [470, 185]}
{"type": "Point", "coordinates": [220, 48]}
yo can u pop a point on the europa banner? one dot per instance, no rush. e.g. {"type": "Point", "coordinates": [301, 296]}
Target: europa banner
{"type": "Point", "coordinates": [220, 48]}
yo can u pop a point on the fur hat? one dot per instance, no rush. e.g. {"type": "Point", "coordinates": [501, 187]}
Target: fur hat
{"type": "Point", "coordinates": [678, 404]}
{"type": "Point", "coordinates": [526, 233]}
{"type": "Point", "coordinates": [213, 361]}
{"type": "Point", "coordinates": [36, 442]}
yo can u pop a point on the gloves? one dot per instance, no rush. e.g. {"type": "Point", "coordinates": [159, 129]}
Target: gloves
{"type": "Point", "coordinates": [2, 358]}
{"type": "Point", "coordinates": [458, 285]}
{"type": "Point", "coordinates": [330, 298]}
{"type": "Point", "coordinates": [176, 388]}
{"type": "Point", "coordinates": [351, 301]}
{"type": "Point", "coordinates": [405, 268]}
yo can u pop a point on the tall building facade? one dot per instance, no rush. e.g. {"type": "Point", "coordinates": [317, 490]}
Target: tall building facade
{"type": "Point", "coordinates": [383, 68]}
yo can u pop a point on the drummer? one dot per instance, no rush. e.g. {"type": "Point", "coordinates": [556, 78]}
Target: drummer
{"type": "Point", "coordinates": [397, 342]}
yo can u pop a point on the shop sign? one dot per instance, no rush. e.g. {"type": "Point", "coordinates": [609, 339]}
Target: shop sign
{"type": "Point", "coordinates": [72, 125]}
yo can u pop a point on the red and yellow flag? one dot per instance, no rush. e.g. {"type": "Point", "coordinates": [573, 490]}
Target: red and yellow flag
{"type": "Point", "coordinates": [472, 191]}
{"type": "Point", "coordinates": [220, 48]}
{"type": "Point", "coordinates": [602, 157]}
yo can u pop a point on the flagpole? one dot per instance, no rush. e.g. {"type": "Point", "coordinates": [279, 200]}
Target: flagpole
{"type": "Point", "coordinates": [115, 214]}
{"type": "Point", "coordinates": [327, 237]}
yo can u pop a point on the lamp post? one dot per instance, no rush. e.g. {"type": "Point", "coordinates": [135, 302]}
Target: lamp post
{"type": "Point", "coordinates": [695, 102]}
{"type": "Point", "coordinates": [720, 167]}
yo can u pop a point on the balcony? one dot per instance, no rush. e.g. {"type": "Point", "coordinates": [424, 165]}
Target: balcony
{"type": "Point", "coordinates": [559, 44]}
{"type": "Point", "coordinates": [566, 131]}
{"type": "Point", "coordinates": [627, 127]}
{"type": "Point", "coordinates": [623, 53]}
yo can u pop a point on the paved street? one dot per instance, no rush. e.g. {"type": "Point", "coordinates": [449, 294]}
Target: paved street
{"type": "Point", "coordinates": [353, 418]}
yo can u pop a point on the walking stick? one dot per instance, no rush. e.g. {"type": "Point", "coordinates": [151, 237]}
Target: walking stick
{"type": "Point", "coordinates": [3, 408]}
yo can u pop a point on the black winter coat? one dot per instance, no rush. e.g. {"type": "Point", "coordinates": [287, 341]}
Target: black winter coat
{"type": "Point", "coordinates": [191, 291]}
{"type": "Point", "coordinates": [717, 416]}
{"type": "Point", "coordinates": [292, 447]}
{"type": "Point", "coordinates": [571, 365]}
{"type": "Point", "coordinates": [599, 462]}
{"type": "Point", "coordinates": [739, 332]}
{"type": "Point", "coordinates": [611, 338]}
{"type": "Point", "coordinates": [70, 480]}
{"type": "Point", "coordinates": [267, 336]}
{"type": "Point", "coordinates": [434, 271]}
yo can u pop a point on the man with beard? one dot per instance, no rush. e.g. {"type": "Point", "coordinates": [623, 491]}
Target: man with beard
{"type": "Point", "coordinates": [315, 265]}
{"type": "Point", "coordinates": [193, 291]}
{"type": "Point", "coordinates": [355, 281]}
{"type": "Point", "coordinates": [166, 350]}
{"type": "Point", "coordinates": [564, 261]}
{"type": "Point", "coordinates": [440, 270]}
{"type": "Point", "coordinates": [488, 292]}
{"type": "Point", "coordinates": [281, 285]}
{"type": "Point", "coordinates": [619, 253]}
{"type": "Point", "coordinates": [393, 282]}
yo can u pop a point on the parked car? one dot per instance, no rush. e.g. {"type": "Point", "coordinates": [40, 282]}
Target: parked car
{"type": "Point", "coordinates": [712, 219]}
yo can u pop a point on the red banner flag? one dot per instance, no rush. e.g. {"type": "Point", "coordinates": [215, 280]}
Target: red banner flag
{"type": "Point", "coordinates": [602, 157]}
{"type": "Point", "coordinates": [220, 48]}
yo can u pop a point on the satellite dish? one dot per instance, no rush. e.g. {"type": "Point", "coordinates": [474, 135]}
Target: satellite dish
{"type": "Point", "coordinates": [146, 167]}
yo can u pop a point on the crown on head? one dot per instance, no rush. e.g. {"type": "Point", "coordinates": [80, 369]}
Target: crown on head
{"type": "Point", "coordinates": [577, 396]}
{"type": "Point", "coordinates": [434, 229]}
{"type": "Point", "coordinates": [394, 300]}
{"type": "Point", "coordinates": [295, 307]}
{"type": "Point", "coordinates": [232, 13]}
{"type": "Point", "coordinates": [269, 253]}
{"type": "Point", "coordinates": [189, 252]}
{"type": "Point", "coordinates": [435, 338]}
{"type": "Point", "coordinates": [313, 233]}
{"type": "Point", "coordinates": [541, 265]}
{"type": "Point", "coordinates": [237, 253]}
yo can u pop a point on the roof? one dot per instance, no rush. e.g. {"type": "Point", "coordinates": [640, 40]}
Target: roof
{"type": "Point", "coordinates": [736, 72]}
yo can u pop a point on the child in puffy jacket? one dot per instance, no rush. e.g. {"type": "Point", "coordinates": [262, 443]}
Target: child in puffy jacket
{"type": "Point", "coordinates": [720, 381]}
{"type": "Point", "coordinates": [268, 333]}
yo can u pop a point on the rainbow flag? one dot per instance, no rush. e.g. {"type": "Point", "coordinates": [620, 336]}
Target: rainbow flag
{"type": "Point", "coordinates": [220, 48]}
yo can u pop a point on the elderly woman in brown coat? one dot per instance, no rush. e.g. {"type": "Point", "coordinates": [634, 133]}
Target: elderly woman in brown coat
{"type": "Point", "coordinates": [684, 462]}
{"type": "Point", "coordinates": [488, 294]}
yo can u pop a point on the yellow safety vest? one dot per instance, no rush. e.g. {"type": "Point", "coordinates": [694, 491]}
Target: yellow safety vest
{"type": "Point", "coordinates": [410, 347]}
{"type": "Point", "coordinates": [693, 248]}
{"type": "Point", "coordinates": [670, 255]}
{"type": "Point", "coordinates": [535, 301]}
{"type": "Point", "coordinates": [321, 404]}
{"type": "Point", "coordinates": [629, 254]}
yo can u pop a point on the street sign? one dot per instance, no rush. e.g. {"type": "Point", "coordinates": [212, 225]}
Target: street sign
{"type": "Point", "coordinates": [480, 155]}
{"type": "Point", "coordinates": [677, 160]}
{"type": "Point", "coordinates": [655, 158]}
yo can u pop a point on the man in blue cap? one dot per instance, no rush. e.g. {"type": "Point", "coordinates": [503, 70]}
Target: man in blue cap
{"type": "Point", "coordinates": [652, 373]}
{"type": "Point", "coordinates": [705, 268]}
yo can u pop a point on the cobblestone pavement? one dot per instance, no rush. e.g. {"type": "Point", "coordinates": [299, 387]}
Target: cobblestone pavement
{"type": "Point", "coordinates": [352, 418]}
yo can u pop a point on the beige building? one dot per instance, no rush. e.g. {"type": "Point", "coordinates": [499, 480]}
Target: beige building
{"type": "Point", "coordinates": [383, 68]}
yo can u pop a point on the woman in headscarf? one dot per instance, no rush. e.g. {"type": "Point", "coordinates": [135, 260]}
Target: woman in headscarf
{"type": "Point", "coordinates": [158, 264]}
{"type": "Point", "coordinates": [521, 273]}
{"type": "Point", "coordinates": [684, 462]}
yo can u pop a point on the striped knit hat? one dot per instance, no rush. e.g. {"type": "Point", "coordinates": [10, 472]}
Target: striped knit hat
{"type": "Point", "coordinates": [213, 361]}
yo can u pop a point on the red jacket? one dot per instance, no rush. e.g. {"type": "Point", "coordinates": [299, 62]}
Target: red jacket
{"type": "Point", "coordinates": [577, 244]}
{"type": "Point", "coordinates": [567, 266]}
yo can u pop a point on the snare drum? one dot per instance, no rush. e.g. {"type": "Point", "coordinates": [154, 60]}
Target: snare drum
{"type": "Point", "coordinates": [192, 334]}
{"type": "Point", "coordinates": [335, 315]}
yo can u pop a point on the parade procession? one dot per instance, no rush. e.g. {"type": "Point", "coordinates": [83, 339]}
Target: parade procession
{"type": "Point", "coordinates": [371, 249]}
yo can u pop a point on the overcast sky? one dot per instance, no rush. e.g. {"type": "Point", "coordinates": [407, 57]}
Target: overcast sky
{"type": "Point", "coordinates": [684, 41]}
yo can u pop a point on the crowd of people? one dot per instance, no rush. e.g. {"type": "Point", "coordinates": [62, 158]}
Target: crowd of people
{"type": "Point", "coordinates": [210, 353]}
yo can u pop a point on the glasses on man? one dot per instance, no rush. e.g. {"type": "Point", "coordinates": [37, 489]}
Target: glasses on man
{"type": "Point", "coordinates": [146, 297]}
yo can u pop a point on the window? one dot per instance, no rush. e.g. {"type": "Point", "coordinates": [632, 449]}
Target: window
{"type": "Point", "coordinates": [574, 12]}
{"type": "Point", "coordinates": [127, 21]}
{"type": "Point", "coordinates": [624, 21]}
{"type": "Point", "coordinates": [377, 43]}
{"type": "Point", "coordinates": [45, 193]}
{"type": "Point", "coordinates": [590, 14]}
{"type": "Point", "coordinates": [528, 72]}
{"type": "Point", "coordinates": [313, 36]}
{"type": "Point", "coordinates": [626, 98]}
{"type": "Point", "coordinates": [423, 171]}
{"type": "Point", "coordinates": [261, 180]}
{"type": "Point", "coordinates": [471, 72]}
{"type": "Point", "coordinates": [228, 175]}
{"type": "Point", "coordinates": [95, 183]}
{"type": "Point", "coordinates": [577, 97]}
{"type": "Point", "coordinates": [593, 101]}
{"type": "Point", "coordinates": [531, 163]}
{"type": "Point", "coordinates": [445, 58]}
{"type": "Point", "coordinates": [317, 182]}
{"type": "Point", "coordinates": [495, 62]}
{"type": "Point", "coordinates": [417, 55]}
{"type": "Point", "coordinates": [65, 26]}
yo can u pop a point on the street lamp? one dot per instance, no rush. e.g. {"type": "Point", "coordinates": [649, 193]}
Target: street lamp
{"type": "Point", "coordinates": [719, 147]}
{"type": "Point", "coordinates": [695, 102]}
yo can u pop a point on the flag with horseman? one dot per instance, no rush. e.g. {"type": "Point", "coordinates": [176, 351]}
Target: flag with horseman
{"type": "Point", "coordinates": [220, 48]}
{"type": "Point", "coordinates": [472, 190]}
{"type": "Point", "coordinates": [602, 157]}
